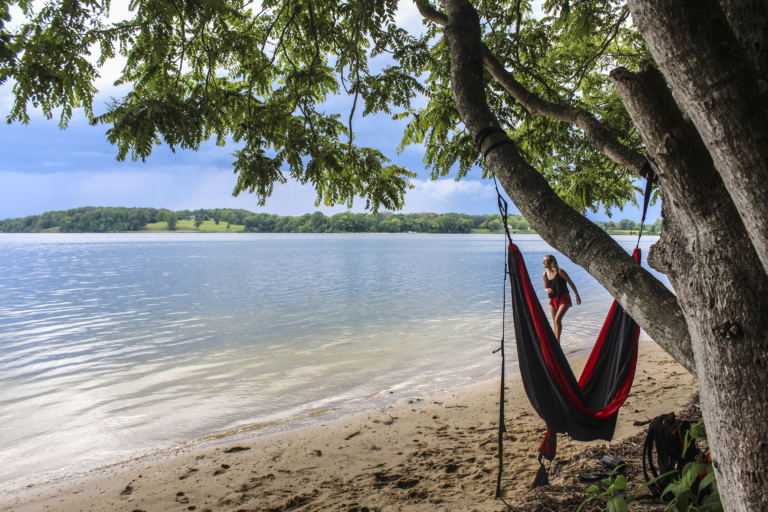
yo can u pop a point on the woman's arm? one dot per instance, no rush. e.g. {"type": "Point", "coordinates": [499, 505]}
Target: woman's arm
{"type": "Point", "coordinates": [544, 278]}
{"type": "Point", "coordinates": [565, 276]}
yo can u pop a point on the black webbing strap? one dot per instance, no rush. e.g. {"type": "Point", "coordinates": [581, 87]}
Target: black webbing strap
{"type": "Point", "coordinates": [651, 178]}
{"type": "Point", "coordinates": [503, 210]}
{"type": "Point", "coordinates": [484, 134]}
{"type": "Point", "coordinates": [502, 427]}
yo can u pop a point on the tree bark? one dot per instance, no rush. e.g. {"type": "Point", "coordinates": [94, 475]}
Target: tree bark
{"type": "Point", "coordinates": [749, 21]}
{"type": "Point", "coordinates": [719, 87]}
{"type": "Point", "coordinates": [646, 299]}
{"type": "Point", "coordinates": [720, 286]}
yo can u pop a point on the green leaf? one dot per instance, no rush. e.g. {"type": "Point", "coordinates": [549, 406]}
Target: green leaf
{"type": "Point", "coordinates": [583, 503]}
{"type": "Point", "coordinates": [712, 503]}
{"type": "Point", "coordinates": [653, 481]}
{"type": "Point", "coordinates": [617, 504]}
{"type": "Point", "coordinates": [711, 477]}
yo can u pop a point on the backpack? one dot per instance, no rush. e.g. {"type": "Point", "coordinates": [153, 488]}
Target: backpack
{"type": "Point", "coordinates": [667, 435]}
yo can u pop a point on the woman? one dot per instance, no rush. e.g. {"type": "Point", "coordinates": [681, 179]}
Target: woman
{"type": "Point", "coordinates": [556, 283]}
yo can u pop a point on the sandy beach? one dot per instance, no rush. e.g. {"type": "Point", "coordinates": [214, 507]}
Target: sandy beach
{"type": "Point", "coordinates": [423, 453]}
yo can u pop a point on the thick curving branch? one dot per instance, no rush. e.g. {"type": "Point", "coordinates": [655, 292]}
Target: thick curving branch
{"type": "Point", "coordinates": [597, 134]}
{"type": "Point", "coordinates": [644, 297]}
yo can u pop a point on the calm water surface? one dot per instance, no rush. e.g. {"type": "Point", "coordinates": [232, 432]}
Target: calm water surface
{"type": "Point", "coordinates": [113, 345]}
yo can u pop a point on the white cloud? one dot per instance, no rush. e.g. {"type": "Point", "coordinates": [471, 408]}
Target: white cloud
{"type": "Point", "coordinates": [409, 18]}
{"type": "Point", "coordinates": [185, 187]}
{"type": "Point", "coordinates": [448, 195]}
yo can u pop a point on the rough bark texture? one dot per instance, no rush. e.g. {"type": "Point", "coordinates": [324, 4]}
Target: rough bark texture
{"type": "Point", "coordinates": [749, 21]}
{"type": "Point", "coordinates": [719, 87]}
{"type": "Point", "coordinates": [598, 135]}
{"type": "Point", "coordinates": [645, 298]}
{"type": "Point", "coordinates": [720, 286]}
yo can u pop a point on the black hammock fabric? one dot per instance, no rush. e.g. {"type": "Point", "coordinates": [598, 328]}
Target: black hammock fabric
{"type": "Point", "coordinates": [585, 409]}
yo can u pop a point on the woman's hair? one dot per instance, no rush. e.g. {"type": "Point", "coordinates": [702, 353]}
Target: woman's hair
{"type": "Point", "coordinates": [554, 262]}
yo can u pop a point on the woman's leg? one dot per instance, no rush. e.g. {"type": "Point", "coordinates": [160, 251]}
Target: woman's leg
{"type": "Point", "coordinates": [553, 310]}
{"type": "Point", "coordinates": [559, 320]}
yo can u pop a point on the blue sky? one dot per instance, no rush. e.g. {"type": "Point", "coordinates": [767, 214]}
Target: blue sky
{"type": "Point", "coordinates": [43, 168]}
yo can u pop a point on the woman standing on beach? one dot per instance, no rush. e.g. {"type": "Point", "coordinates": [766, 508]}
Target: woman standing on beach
{"type": "Point", "coordinates": [556, 283]}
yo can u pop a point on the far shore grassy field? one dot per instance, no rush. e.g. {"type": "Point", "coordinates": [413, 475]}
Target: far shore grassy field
{"type": "Point", "coordinates": [189, 225]}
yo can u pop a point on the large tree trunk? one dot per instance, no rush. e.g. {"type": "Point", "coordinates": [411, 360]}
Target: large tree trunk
{"type": "Point", "coordinates": [719, 86]}
{"type": "Point", "coordinates": [645, 298]}
{"type": "Point", "coordinates": [722, 289]}
{"type": "Point", "coordinates": [749, 21]}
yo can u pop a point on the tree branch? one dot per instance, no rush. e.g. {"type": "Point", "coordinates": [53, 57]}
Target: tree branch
{"type": "Point", "coordinates": [646, 299]}
{"type": "Point", "coordinates": [597, 134]}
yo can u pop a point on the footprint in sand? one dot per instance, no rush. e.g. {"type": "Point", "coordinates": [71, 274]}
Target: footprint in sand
{"type": "Point", "coordinates": [127, 491]}
{"type": "Point", "coordinates": [406, 483]}
{"type": "Point", "coordinates": [254, 482]}
{"type": "Point", "coordinates": [189, 473]}
{"type": "Point", "coordinates": [221, 470]}
{"type": "Point", "coordinates": [181, 498]}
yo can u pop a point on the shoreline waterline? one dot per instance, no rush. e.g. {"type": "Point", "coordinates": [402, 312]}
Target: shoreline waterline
{"type": "Point", "coordinates": [375, 457]}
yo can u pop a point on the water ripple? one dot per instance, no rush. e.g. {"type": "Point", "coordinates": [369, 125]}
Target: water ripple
{"type": "Point", "coordinates": [113, 344]}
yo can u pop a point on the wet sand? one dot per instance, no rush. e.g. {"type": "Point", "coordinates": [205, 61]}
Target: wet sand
{"type": "Point", "coordinates": [423, 453]}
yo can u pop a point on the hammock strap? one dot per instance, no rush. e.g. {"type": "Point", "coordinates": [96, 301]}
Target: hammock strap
{"type": "Point", "coordinates": [651, 178]}
{"type": "Point", "coordinates": [504, 211]}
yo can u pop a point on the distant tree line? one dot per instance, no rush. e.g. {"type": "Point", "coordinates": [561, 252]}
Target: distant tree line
{"type": "Point", "coordinates": [384, 222]}
{"type": "Point", "coordinates": [630, 225]}
{"type": "Point", "coordinates": [111, 220]}
{"type": "Point", "coordinates": [83, 220]}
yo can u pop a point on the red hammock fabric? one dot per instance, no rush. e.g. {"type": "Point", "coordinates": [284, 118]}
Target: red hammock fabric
{"type": "Point", "coordinates": [587, 408]}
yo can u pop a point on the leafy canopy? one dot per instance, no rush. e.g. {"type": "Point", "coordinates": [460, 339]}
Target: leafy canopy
{"type": "Point", "coordinates": [259, 74]}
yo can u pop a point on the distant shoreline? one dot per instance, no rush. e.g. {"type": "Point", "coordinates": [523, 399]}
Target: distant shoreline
{"type": "Point", "coordinates": [119, 219]}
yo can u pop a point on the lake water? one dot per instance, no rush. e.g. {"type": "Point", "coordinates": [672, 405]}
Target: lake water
{"type": "Point", "coordinates": [118, 344]}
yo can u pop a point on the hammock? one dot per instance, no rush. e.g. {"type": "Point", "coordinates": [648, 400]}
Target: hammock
{"type": "Point", "coordinates": [585, 409]}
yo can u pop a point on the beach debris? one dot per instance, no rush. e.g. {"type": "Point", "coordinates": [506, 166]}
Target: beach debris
{"type": "Point", "coordinates": [236, 449]}
{"type": "Point", "coordinates": [189, 473]}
